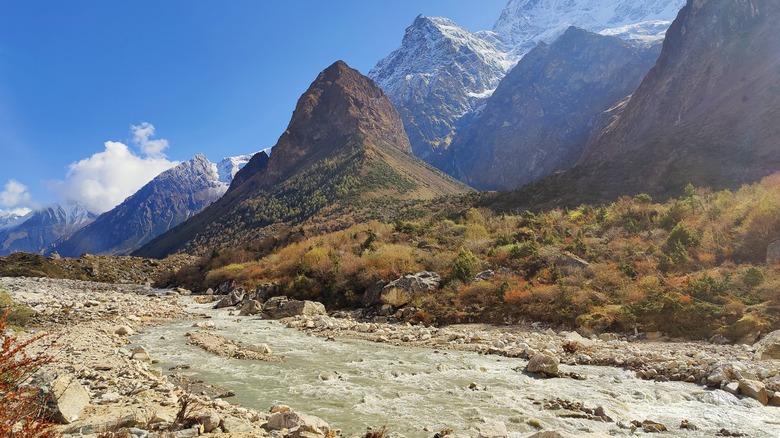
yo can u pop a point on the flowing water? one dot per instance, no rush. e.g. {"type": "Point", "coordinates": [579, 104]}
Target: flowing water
{"type": "Point", "coordinates": [416, 392]}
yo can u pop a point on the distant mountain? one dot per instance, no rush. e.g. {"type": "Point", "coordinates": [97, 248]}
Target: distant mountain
{"type": "Point", "coordinates": [168, 200]}
{"type": "Point", "coordinates": [525, 23]}
{"type": "Point", "coordinates": [537, 122]}
{"type": "Point", "coordinates": [9, 219]}
{"type": "Point", "coordinates": [439, 75]}
{"type": "Point", "coordinates": [442, 74]}
{"type": "Point", "coordinates": [705, 114]}
{"type": "Point", "coordinates": [345, 145]}
{"type": "Point", "coordinates": [37, 231]}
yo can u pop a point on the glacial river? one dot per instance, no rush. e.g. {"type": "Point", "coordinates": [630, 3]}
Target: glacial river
{"type": "Point", "coordinates": [416, 392]}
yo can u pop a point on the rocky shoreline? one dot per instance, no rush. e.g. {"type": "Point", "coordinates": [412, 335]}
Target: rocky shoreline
{"type": "Point", "coordinates": [112, 389]}
{"type": "Point", "coordinates": [123, 390]}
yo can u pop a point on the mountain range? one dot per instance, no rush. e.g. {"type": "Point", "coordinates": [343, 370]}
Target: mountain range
{"type": "Point", "coordinates": [38, 230]}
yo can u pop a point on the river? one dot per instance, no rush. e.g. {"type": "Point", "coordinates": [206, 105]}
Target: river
{"type": "Point", "coordinates": [416, 392]}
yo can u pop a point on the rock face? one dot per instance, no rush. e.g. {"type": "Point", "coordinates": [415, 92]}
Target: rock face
{"type": "Point", "coordinates": [69, 399]}
{"type": "Point", "coordinates": [345, 141]}
{"type": "Point", "coordinates": [773, 252]}
{"type": "Point", "coordinates": [769, 346]}
{"type": "Point", "coordinates": [168, 200]}
{"type": "Point", "coordinates": [37, 231]}
{"type": "Point", "coordinates": [538, 120]}
{"type": "Point", "coordinates": [283, 307]}
{"type": "Point", "coordinates": [703, 115]}
{"type": "Point", "coordinates": [401, 291]}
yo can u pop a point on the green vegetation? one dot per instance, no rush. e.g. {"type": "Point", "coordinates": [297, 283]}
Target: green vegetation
{"type": "Point", "coordinates": [691, 267]}
{"type": "Point", "coordinates": [18, 314]}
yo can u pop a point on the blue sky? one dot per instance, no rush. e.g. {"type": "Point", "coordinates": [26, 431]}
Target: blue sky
{"type": "Point", "coordinates": [220, 78]}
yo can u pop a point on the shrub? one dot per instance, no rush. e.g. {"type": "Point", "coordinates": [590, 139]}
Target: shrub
{"type": "Point", "coordinates": [22, 409]}
{"type": "Point", "coordinates": [466, 265]}
{"type": "Point", "coordinates": [17, 315]}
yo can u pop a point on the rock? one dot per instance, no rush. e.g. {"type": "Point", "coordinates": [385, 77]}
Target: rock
{"type": "Point", "coordinates": [232, 299]}
{"type": "Point", "coordinates": [283, 307]}
{"type": "Point", "coordinates": [543, 364]}
{"type": "Point", "coordinates": [484, 276]}
{"type": "Point", "coordinates": [754, 389]}
{"type": "Point", "coordinates": [188, 433]}
{"type": "Point", "coordinates": [69, 398]}
{"type": "Point", "coordinates": [226, 287]}
{"type": "Point", "coordinates": [372, 295]}
{"type": "Point", "coordinates": [769, 346]}
{"type": "Point", "coordinates": [732, 388]}
{"type": "Point", "coordinates": [400, 292]}
{"type": "Point", "coordinates": [290, 420]}
{"type": "Point", "coordinates": [236, 425]}
{"type": "Point", "coordinates": [124, 331]}
{"type": "Point", "coordinates": [209, 420]}
{"type": "Point", "coordinates": [182, 291]}
{"type": "Point", "coordinates": [775, 400]}
{"type": "Point", "coordinates": [495, 429]}
{"type": "Point", "coordinates": [649, 426]}
{"type": "Point", "coordinates": [385, 310]}
{"type": "Point", "coordinates": [550, 434]}
{"type": "Point", "coordinates": [723, 374]}
{"type": "Point", "coordinates": [162, 417]}
{"type": "Point", "coordinates": [140, 353]}
{"type": "Point", "coordinates": [773, 253]}
{"type": "Point", "coordinates": [570, 260]}
{"type": "Point", "coordinates": [719, 339]}
{"type": "Point", "coordinates": [576, 338]}
{"type": "Point", "coordinates": [280, 408]}
{"type": "Point", "coordinates": [260, 348]}
{"type": "Point", "coordinates": [251, 307]}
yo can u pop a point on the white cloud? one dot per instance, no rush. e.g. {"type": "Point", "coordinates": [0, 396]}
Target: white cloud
{"type": "Point", "coordinates": [14, 194]}
{"type": "Point", "coordinates": [104, 180]}
{"type": "Point", "coordinates": [150, 148]}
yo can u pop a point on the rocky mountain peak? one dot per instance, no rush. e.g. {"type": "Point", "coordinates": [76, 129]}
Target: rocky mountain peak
{"type": "Point", "coordinates": [340, 103]}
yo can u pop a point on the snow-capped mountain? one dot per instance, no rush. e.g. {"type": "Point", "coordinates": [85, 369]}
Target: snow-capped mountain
{"type": "Point", "coordinates": [168, 200]}
{"type": "Point", "coordinates": [38, 230]}
{"type": "Point", "coordinates": [525, 23]}
{"type": "Point", "coordinates": [8, 219]}
{"type": "Point", "coordinates": [442, 73]}
{"type": "Point", "coordinates": [229, 166]}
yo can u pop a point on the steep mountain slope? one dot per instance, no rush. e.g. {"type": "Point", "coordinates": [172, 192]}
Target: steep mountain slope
{"type": "Point", "coordinates": [706, 114]}
{"type": "Point", "coordinates": [168, 200]}
{"type": "Point", "coordinates": [345, 145]}
{"type": "Point", "coordinates": [9, 219]}
{"type": "Point", "coordinates": [537, 121]}
{"type": "Point", "coordinates": [40, 229]}
{"type": "Point", "coordinates": [440, 73]}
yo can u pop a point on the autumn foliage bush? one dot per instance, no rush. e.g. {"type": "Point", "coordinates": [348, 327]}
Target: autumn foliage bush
{"type": "Point", "coordinates": [22, 408]}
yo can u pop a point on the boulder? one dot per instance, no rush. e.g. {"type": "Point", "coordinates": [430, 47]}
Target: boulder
{"type": "Point", "coordinates": [232, 299]}
{"type": "Point", "coordinates": [484, 276]}
{"type": "Point", "coordinates": [226, 287]}
{"type": "Point", "coordinates": [209, 420]}
{"type": "Point", "coordinates": [124, 331]}
{"type": "Point", "coordinates": [722, 375]}
{"type": "Point", "coordinates": [251, 307]}
{"type": "Point", "coordinates": [283, 307]}
{"type": "Point", "coordinates": [569, 260]}
{"type": "Point", "coordinates": [543, 364]}
{"type": "Point", "coordinates": [550, 434]}
{"type": "Point", "coordinates": [754, 389]}
{"type": "Point", "coordinates": [291, 420]}
{"type": "Point", "coordinates": [401, 291]}
{"type": "Point", "coordinates": [773, 252]}
{"type": "Point", "coordinates": [236, 425]}
{"type": "Point", "coordinates": [769, 346]}
{"type": "Point", "coordinates": [69, 398]}
{"type": "Point", "coordinates": [372, 296]}
{"type": "Point", "coordinates": [140, 353]}
{"type": "Point", "coordinates": [494, 429]}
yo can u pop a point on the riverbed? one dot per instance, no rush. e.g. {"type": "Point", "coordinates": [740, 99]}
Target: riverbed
{"type": "Point", "coordinates": [416, 392]}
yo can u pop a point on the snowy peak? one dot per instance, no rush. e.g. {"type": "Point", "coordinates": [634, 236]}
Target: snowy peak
{"type": "Point", "coordinates": [525, 23]}
{"type": "Point", "coordinates": [229, 166]}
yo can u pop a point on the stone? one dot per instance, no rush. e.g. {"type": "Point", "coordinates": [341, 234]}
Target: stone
{"type": "Point", "coordinates": [226, 287]}
{"type": "Point", "coordinates": [209, 420]}
{"type": "Point", "coordinates": [732, 388]}
{"type": "Point", "coordinates": [773, 252]}
{"type": "Point", "coordinates": [236, 425]}
{"type": "Point", "coordinates": [493, 429]}
{"type": "Point", "coordinates": [484, 276]}
{"type": "Point", "coordinates": [260, 348]}
{"type": "Point", "coordinates": [140, 353]}
{"type": "Point", "coordinates": [570, 260]}
{"type": "Point", "coordinates": [251, 307]}
{"type": "Point", "coordinates": [400, 292]}
{"type": "Point", "coordinates": [719, 339]}
{"type": "Point", "coordinates": [232, 299]}
{"type": "Point", "coordinates": [188, 433]}
{"type": "Point", "coordinates": [371, 297]}
{"type": "Point", "coordinates": [162, 417]}
{"type": "Point", "coordinates": [543, 364]}
{"type": "Point", "coordinates": [290, 420]}
{"type": "Point", "coordinates": [124, 331]}
{"type": "Point", "coordinates": [283, 307]}
{"type": "Point", "coordinates": [723, 374]}
{"type": "Point", "coordinates": [769, 346]}
{"type": "Point", "coordinates": [182, 291]}
{"type": "Point", "coordinates": [69, 398]}
{"type": "Point", "coordinates": [279, 408]}
{"type": "Point", "coordinates": [775, 400]}
{"type": "Point", "coordinates": [550, 434]}
{"type": "Point", "coordinates": [754, 389]}
{"type": "Point", "coordinates": [576, 338]}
